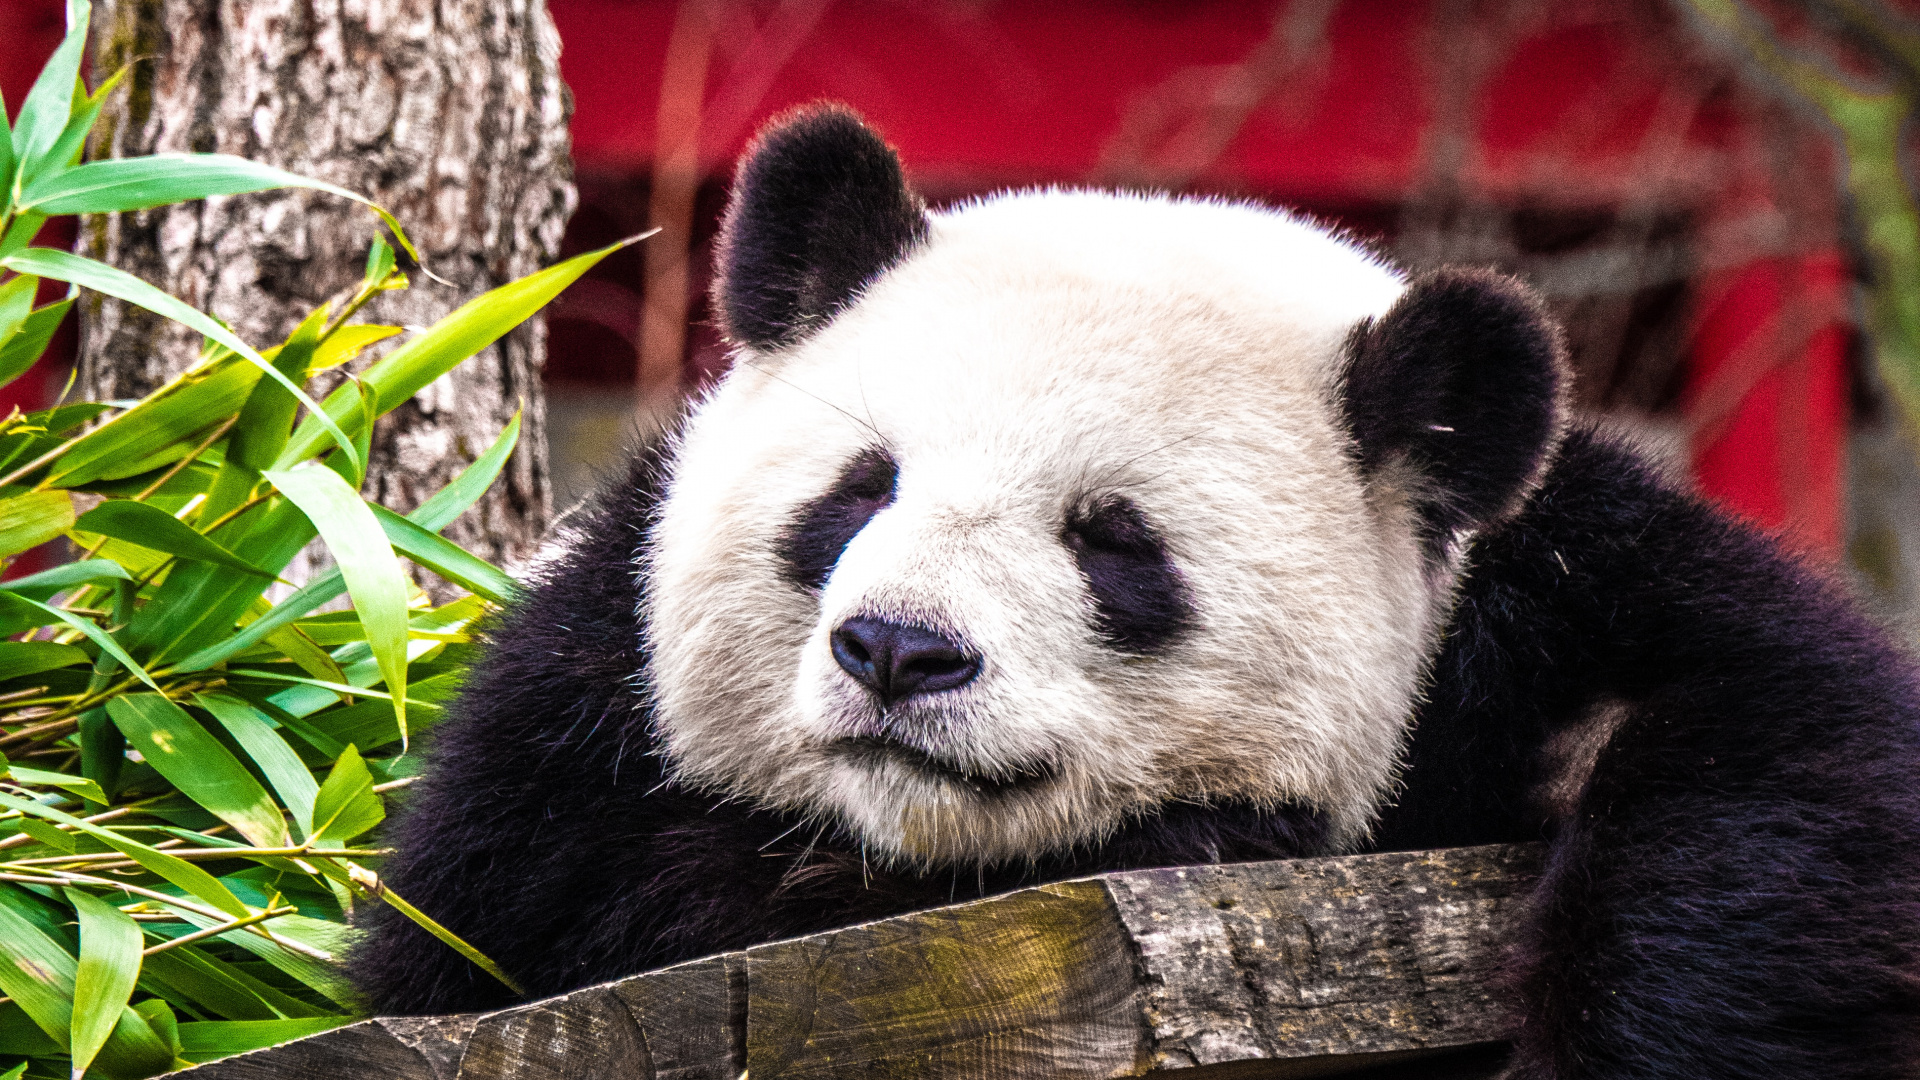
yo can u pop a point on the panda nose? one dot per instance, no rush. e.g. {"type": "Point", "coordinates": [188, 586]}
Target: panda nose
{"type": "Point", "coordinates": [896, 661]}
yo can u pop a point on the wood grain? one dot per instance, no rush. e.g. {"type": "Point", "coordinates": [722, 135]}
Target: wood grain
{"type": "Point", "coordinates": [1374, 964]}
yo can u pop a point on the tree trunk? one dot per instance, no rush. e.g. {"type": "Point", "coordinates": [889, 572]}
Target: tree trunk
{"type": "Point", "coordinates": [450, 113]}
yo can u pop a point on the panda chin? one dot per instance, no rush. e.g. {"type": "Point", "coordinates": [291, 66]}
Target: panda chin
{"type": "Point", "coordinates": [875, 752]}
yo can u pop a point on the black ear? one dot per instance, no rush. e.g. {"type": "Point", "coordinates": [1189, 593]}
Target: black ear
{"type": "Point", "coordinates": [819, 209]}
{"type": "Point", "coordinates": [1462, 383]}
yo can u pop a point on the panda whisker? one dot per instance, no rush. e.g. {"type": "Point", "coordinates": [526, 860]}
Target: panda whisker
{"type": "Point", "coordinates": [1106, 479]}
{"type": "Point", "coordinates": [803, 390]}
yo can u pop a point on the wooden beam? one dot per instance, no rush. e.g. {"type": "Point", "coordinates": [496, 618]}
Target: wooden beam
{"type": "Point", "coordinates": [1307, 967]}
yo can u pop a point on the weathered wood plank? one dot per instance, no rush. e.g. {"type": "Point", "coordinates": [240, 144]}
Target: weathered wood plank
{"type": "Point", "coordinates": [1310, 967]}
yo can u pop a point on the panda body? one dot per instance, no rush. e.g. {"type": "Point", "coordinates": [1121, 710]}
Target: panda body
{"type": "Point", "coordinates": [1069, 532]}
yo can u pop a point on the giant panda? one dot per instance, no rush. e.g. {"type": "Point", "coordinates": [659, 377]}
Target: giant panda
{"type": "Point", "coordinates": [1069, 531]}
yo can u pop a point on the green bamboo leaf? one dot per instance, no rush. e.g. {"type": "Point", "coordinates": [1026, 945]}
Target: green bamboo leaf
{"type": "Point", "coordinates": [29, 343]}
{"type": "Point", "coordinates": [160, 1019]}
{"type": "Point", "coordinates": [92, 631]}
{"type": "Point", "coordinates": [16, 303]}
{"type": "Point", "coordinates": [446, 558]}
{"type": "Point", "coordinates": [98, 276]}
{"type": "Point", "coordinates": [346, 805]}
{"type": "Point", "coordinates": [380, 263]}
{"type": "Point", "coordinates": [188, 877]}
{"type": "Point", "coordinates": [333, 870]}
{"type": "Point", "coordinates": [108, 969]}
{"type": "Point", "coordinates": [346, 343]}
{"type": "Point", "coordinates": [177, 415]}
{"type": "Point", "coordinates": [151, 527]}
{"type": "Point", "coordinates": [67, 148]}
{"type": "Point", "coordinates": [367, 564]}
{"type": "Point", "coordinates": [43, 585]}
{"type": "Point", "coordinates": [210, 1039]}
{"type": "Point", "coordinates": [269, 750]}
{"type": "Point", "coordinates": [37, 973]}
{"type": "Point", "coordinates": [204, 770]}
{"type": "Point", "coordinates": [118, 184]}
{"type": "Point", "coordinates": [435, 514]}
{"type": "Point", "coordinates": [6, 162]}
{"type": "Point", "coordinates": [33, 519]}
{"type": "Point", "coordinates": [16, 1072]}
{"type": "Point", "coordinates": [46, 834]}
{"type": "Point", "coordinates": [79, 785]}
{"type": "Point", "coordinates": [43, 115]}
{"type": "Point", "coordinates": [19, 658]}
{"type": "Point", "coordinates": [199, 603]}
{"type": "Point", "coordinates": [447, 504]}
{"type": "Point", "coordinates": [21, 233]}
{"type": "Point", "coordinates": [473, 326]}
{"type": "Point", "coordinates": [188, 974]}
{"type": "Point", "coordinates": [317, 974]}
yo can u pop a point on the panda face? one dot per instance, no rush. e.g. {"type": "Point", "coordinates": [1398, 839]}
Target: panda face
{"type": "Point", "coordinates": [1056, 521]}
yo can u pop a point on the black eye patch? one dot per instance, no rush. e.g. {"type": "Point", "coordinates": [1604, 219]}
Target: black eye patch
{"type": "Point", "coordinates": [811, 544]}
{"type": "Point", "coordinates": [1140, 602]}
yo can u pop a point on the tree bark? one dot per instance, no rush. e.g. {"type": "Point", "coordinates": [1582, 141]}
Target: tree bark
{"type": "Point", "coordinates": [450, 113]}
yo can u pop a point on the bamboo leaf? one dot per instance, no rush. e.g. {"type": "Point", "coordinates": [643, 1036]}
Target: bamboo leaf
{"type": "Point", "coordinates": [473, 326]}
{"type": "Point", "coordinates": [446, 558]}
{"type": "Point", "coordinates": [74, 269]}
{"type": "Point", "coordinates": [43, 585]}
{"type": "Point", "coordinates": [176, 416]}
{"type": "Point", "coordinates": [435, 514]}
{"type": "Point", "coordinates": [346, 805]}
{"type": "Point", "coordinates": [108, 969]}
{"type": "Point", "coordinates": [33, 519]}
{"type": "Point", "coordinates": [29, 343]}
{"type": "Point", "coordinates": [373, 575]}
{"type": "Point", "coordinates": [210, 1039]}
{"type": "Point", "coordinates": [178, 748]}
{"type": "Point", "coordinates": [93, 632]}
{"type": "Point", "coordinates": [118, 184]}
{"type": "Point", "coordinates": [193, 976]}
{"type": "Point", "coordinates": [188, 877]}
{"type": "Point", "coordinates": [19, 658]}
{"type": "Point", "coordinates": [347, 342]}
{"type": "Point", "coordinates": [67, 148]}
{"type": "Point", "coordinates": [451, 501]}
{"type": "Point", "coordinates": [37, 973]}
{"type": "Point", "coordinates": [79, 785]}
{"type": "Point", "coordinates": [44, 112]}
{"type": "Point", "coordinates": [151, 527]}
{"type": "Point", "coordinates": [281, 766]}
{"type": "Point", "coordinates": [16, 303]}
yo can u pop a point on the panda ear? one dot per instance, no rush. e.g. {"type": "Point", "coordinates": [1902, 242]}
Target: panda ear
{"type": "Point", "coordinates": [819, 210]}
{"type": "Point", "coordinates": [1462, 383]}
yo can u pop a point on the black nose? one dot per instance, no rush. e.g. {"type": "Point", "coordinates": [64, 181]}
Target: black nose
{"type": "Point", "coordinates": [897, 661]}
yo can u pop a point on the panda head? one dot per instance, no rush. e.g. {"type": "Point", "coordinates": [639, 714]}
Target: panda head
{"type": "Point", "coordinates": [1017, 521]}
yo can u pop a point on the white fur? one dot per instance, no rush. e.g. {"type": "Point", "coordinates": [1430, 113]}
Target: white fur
{"type": "Point", "coordinates": [1042, 349]}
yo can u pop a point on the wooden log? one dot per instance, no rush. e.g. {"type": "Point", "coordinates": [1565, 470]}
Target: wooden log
{"type": "Point", "coordinates": [1307, 967]}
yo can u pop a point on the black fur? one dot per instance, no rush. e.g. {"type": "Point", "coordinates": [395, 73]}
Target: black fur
{"type": "Point", "coordinates": [819, 209]}
{"type": "Point", "coordinates": [542, 834]}
{"type": "Point", "coordinates": [1733, 890]}
{"type": "Point", "coordinates": [1461, 380]}
{"type": "Point", "coordinates": [1140, 602]}
{"type": "Point", "coordinates": [1738, 893]}
{"type": "Point", "coordinates": [811, 544]}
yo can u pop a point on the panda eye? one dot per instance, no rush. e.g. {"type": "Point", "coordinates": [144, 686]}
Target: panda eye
{"type": "Point", "coordinates": [813, 541]}
{"type": "Point", "coordinates": [1140, 601]}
